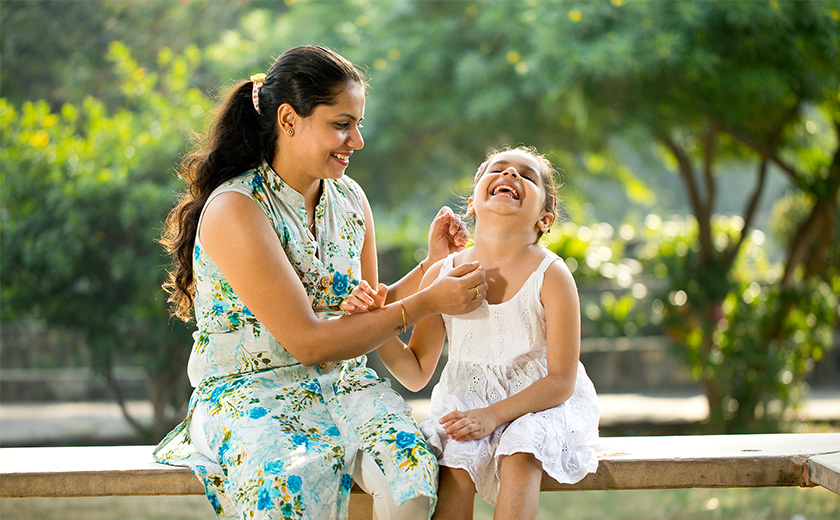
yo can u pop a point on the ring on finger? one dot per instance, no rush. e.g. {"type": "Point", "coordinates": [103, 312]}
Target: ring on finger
{"type": "Point", "coordinates": [477, 293]}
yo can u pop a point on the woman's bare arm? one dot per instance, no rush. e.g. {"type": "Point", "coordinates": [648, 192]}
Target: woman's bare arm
{"type": "Point", "coordinates": [239, 238]}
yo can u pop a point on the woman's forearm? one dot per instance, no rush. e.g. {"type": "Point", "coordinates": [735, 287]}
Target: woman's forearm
{"type": "Point", "coordinates": [345, 337]}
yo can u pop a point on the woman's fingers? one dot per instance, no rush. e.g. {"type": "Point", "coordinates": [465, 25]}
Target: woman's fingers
{"type": "Point", "coordinates": [447, 234]}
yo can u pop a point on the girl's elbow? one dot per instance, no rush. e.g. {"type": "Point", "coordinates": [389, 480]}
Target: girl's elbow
{"type": "Point", "coordinates": [415, 382]}
{"type": "Point", "coordinates": [414, 386]}
{"type": "Point", "coordinates": [564, 387]}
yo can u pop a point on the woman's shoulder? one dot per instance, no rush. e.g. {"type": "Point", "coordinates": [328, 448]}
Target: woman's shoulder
{"type": "Point", "coordinates": [243, 183]}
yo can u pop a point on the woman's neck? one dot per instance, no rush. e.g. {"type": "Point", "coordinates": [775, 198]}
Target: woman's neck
{"type": "Point", "coordinates": [307, 186]}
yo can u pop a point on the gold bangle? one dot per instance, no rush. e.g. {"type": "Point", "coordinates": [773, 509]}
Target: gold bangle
{"type": "Point", "coordinates": [422, 270]}
{"type": "Point", "coordinates": [405, 324]}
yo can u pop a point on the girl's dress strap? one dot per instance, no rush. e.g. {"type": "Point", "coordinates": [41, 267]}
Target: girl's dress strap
{"type": "Point", "coordinates": [549, 259]}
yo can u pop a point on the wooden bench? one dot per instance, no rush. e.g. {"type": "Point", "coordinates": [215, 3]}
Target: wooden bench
{"type": "Point", "coordinates": [699, 461]}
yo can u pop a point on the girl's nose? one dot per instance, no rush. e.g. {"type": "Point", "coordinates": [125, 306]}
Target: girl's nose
{"type": "Point", "coordinates": [512, 172]}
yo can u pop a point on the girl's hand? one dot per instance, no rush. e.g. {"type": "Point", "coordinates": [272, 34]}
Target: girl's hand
{"type": "Point", "coordinates": [447, 234]}
{"type": "Point", "coordinates": [470, 425]}
{"type": "Point", "coordinates": [363, 298]}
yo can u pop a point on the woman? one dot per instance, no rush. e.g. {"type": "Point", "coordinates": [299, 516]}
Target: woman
{"type": "Point", "coordinates": [268, 240]}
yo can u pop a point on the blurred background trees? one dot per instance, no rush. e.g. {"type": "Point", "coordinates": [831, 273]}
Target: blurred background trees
{"type": "Point", "coordinates": [699, 144]}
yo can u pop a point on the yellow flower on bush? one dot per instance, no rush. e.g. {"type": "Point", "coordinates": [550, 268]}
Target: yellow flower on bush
{"type": "Point", "coordinates": [40, 139]}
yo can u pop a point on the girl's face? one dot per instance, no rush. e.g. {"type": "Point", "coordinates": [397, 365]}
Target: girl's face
{"type": "Point", "coordinates": [324, 141]}
{"type": "Point", "coordinates": [512, 183]}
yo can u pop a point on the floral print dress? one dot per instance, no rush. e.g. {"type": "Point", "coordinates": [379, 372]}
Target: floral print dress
{"type": "Point", "coordinates": [281, 437]}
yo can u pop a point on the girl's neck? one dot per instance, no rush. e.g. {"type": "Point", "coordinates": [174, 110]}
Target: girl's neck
{"type": "Point", "coordinates": [498, 247]}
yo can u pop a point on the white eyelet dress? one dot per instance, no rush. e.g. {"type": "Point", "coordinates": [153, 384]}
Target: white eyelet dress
{"type": "Point", "coordinates": [269, 437]}
{"type": "Point", "coordinates": [497, 351]}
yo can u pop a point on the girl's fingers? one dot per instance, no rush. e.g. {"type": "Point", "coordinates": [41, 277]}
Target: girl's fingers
{"type": "Point", "coordinates": [353, 303]}
{"type": "Point", "coordinates": [451, 416]}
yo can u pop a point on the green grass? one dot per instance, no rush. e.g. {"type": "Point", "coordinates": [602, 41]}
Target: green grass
{"type": "Point", "coordinates": [679, 504]}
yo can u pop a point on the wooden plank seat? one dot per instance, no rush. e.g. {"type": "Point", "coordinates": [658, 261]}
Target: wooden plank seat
{"type": "Point", "coordinates": [654, 462]}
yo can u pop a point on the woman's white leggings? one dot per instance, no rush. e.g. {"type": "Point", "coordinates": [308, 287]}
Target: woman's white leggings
{"type": "Point", "coordinates": [371, 479]}
{"type": "Point", "coordinates": [365, 472]}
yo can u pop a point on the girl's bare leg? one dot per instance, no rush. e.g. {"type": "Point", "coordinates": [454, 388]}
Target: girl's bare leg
{"type": "Point", "coordinates": [456, 495]}
{"type": "Point", "coordinates": [519, 491]}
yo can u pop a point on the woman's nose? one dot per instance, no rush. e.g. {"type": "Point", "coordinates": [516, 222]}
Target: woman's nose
{"type": "Point", "coordinates": [355, 139]}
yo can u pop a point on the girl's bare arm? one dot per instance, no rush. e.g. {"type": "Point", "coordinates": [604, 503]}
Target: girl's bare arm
{"type": "Point", "coordinates": [414, 364]}
{"type": "Point", "coordinates": [562, 309]}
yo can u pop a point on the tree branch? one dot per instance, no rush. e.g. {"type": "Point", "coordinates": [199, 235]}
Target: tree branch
{"type": "Point", "coordinates": [749, 214]}
{"type": "Point", "coordinates": [698, 206]}
{"type": "Point", "coordinates": [708, 161]}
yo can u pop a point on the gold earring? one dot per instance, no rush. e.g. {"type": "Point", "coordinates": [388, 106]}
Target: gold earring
{"type": "Point", "coordinates": [291, 131]}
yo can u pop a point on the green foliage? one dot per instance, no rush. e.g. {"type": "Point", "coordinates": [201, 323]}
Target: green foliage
{"type": "Point", "coordinates": [85, 190]}
{"type": "Point", "coordinates": [91, 131]}
{"type": "Point", "coordinates": [766, 337]}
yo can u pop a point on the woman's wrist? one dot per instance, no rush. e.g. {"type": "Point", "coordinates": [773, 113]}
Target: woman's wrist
{"type": "Point", "coordinates": [416, 307]}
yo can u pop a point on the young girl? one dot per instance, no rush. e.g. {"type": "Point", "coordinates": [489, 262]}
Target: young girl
{"type": "Point", "coordinates": [513, 399]}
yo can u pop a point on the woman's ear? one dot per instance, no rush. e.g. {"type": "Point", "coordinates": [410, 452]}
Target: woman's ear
{"type": "Point", "coordinates": [286, 119]}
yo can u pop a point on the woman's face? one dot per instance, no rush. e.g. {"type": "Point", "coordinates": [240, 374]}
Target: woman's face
{"type": "Point", "coordinates": [326, 139]}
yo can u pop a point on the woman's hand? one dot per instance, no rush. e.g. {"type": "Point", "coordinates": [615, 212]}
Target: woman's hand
{"type": "Point", "coordinates": [470, 425]}
{"type": "Point", "coordinates": [448, 234]}
{"type": "Point", "coordinates": [363, 298]}
{"type": "Point", "coordinates": [460, 291]}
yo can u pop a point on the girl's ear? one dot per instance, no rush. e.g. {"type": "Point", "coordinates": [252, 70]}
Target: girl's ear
{"type": "Point", "coordinates": [470, 208]}
{"type": "Point", "coordinates": [545, 222]}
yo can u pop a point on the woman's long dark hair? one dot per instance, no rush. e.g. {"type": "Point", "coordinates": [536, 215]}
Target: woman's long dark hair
{"type": "Point", "coordinates": [240, 139]}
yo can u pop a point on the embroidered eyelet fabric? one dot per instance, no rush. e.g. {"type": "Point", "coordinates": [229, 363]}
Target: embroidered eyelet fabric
{"type": "Point", "coordinates": [497, 351]}
{"type": "Point", "coordinates": [277, 438]}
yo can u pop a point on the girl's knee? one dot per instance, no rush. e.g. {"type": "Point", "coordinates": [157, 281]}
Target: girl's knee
{"type": "Point", "coordinates": [458, 478]}
{"type": "Point", "coordinates": [520, 463]}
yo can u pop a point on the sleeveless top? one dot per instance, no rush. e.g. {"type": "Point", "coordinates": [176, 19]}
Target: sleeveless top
{"type": "Point", "coordinates": [497, 351]}
{"type": "Point", "coordinates": [279, 439]}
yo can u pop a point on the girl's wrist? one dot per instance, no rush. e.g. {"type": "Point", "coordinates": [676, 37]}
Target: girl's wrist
{"type": "Point", "coordinates": [423, 267]}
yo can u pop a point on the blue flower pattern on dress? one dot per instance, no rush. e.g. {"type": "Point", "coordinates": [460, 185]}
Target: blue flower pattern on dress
{"type": "Point", "coordinates": [283, 436]}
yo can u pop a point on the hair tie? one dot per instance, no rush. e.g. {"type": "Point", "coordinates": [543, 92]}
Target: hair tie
{"type": "Point", "coordinates": [257, 80]}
